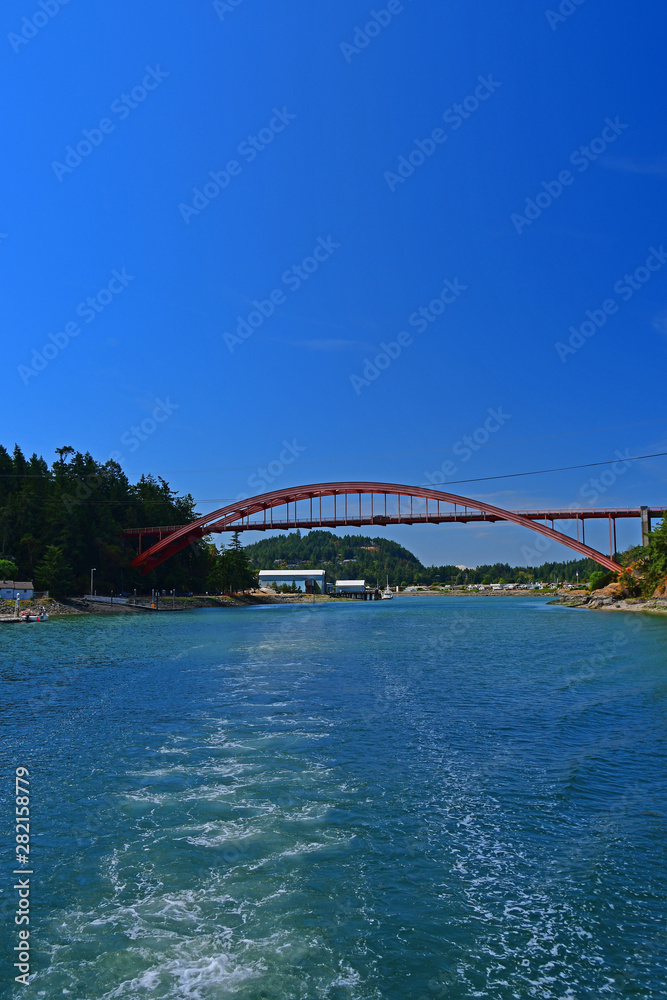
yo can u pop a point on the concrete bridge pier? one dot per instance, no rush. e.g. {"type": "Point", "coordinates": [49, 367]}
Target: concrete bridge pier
{"type": "Point", "coordinates": [646, 525]}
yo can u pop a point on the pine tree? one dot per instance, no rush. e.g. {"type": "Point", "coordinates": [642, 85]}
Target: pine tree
{"type": "Point", "coordinates": [54, 573]}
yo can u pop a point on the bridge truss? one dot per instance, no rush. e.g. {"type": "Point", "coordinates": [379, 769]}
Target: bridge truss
{"type": "Point", "coordinates": [357, 504]}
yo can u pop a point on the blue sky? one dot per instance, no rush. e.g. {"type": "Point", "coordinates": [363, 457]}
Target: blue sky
{"type": "Point", "coordinates": [221, 154]}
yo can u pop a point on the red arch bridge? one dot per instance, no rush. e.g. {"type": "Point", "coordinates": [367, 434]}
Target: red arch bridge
{"type": "Point", "coordinates": [335, 505]}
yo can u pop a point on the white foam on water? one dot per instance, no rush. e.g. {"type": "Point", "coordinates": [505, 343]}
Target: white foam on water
{"type": "Point", "coordinates": [186, 978]}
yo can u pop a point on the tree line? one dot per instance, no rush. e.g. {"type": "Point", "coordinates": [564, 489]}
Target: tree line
{"type": "Point", "coordinates": [59, 521]}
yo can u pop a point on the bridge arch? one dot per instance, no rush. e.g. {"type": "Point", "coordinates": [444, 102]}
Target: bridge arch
{"type": "Point", "coordinates": [242, 516]}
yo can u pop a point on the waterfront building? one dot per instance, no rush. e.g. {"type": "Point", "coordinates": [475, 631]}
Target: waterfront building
{"type": "Point", "coordinates": [352, 587]}
{"type": "Point", "coordinates": [310, 581]}
{"type": "Point", "coordinates": [11, 589]}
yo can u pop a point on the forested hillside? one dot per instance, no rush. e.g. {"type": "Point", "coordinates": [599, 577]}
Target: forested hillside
{"type": "Point", "coordinates": [347, 556]}
{"type": "Point", "coordinates": [58, 521]}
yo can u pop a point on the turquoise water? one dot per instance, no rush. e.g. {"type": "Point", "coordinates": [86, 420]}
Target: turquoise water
{"type": "Point", "coordinates": [421, 798]}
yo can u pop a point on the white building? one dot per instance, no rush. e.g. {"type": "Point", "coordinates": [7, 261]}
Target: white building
{"type": "Point", "coordinates": [11, 589]}
{"type": "Point", "coordinates": [350, 586]}
{"type": "Point", "coordinates": [310, 581]}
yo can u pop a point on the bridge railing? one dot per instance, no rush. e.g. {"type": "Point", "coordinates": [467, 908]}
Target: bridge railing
{"type": "Point", "coordinates": [458, 514]}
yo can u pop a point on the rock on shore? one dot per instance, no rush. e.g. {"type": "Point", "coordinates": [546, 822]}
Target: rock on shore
{"type": "Point", "coordinates": [600, 601]}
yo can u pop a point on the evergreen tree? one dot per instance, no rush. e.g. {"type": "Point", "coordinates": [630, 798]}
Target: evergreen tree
{"type": "Point", "coordinates": [241, 576]}
{"type": "Point", "coordinates": [54, 573]}
{"type": "Point", "coordinates": [231, 570]}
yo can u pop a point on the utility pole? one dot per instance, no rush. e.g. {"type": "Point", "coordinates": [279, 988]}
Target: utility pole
{"type": "Point", "coordinates": [93, 570]}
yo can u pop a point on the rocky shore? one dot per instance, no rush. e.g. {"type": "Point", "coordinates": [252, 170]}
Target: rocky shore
{"type": "Point", "coordinates": [600, 601]}
{"type": "Point", "coordinates": [79, 605]}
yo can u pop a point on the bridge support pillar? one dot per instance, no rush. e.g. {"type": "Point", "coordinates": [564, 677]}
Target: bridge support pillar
{"type": "Point", "coordinates": [646, 525]}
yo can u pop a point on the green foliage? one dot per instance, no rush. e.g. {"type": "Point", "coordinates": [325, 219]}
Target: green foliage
{"type": "Point", "coordinates": [8, 570]}
{"type": "Point", "coordinates": [631, 585]}
{"type": "Point", "coordinates": [655, 567]}
{"type": "Point", "coordinates": [347, 557]}
{"type": "Point", "coordinates": [231, 571]}
{"type": "Point", "coordinates": [54, 573]}
{"type": "Point", "coordinates": [599, 579]}
{"type": "Point", "coordinates": [631, 556]}
{"type": "Point", "coordinates": [81, 507]}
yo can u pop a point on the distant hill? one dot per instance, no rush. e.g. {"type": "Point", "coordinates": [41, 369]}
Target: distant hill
{"type": "Point", "coordinates": [371, 559]}
{"type": "Point", "coordinates": [346, 557]}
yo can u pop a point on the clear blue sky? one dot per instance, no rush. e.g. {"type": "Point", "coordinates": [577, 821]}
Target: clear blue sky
{"type": "Point", "coordinates": [303, 113]}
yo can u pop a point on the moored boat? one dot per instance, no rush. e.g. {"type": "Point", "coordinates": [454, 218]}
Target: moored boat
{"type": "Point", "coordinates": [30, 616]}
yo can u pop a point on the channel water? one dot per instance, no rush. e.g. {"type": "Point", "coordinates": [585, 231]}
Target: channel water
{"type": "Point", "coordinates": [419, 798]}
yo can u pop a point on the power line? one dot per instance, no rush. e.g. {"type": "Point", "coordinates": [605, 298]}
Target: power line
{"type": "Point", "coordinates": [509, 475]}
{"type": "Point", "coordinates": [543, 472]}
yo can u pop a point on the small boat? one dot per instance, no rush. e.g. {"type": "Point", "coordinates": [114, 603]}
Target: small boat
{"type": "Point", "coordinates": [386, 593]}
{"type": "Point", "coordinates": [29, 616]}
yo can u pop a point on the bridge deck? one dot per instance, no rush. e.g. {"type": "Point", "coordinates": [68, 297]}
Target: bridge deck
{"type": "Point", "coordinates": [444, 517]}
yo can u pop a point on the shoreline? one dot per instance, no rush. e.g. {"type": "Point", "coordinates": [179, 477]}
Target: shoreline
{"type": "Point", "coordinates": [591, 602]}
{"type": "Point", "coordinates": [578, 600]}
{"type": "Point", "coordinates": [77, 606]}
